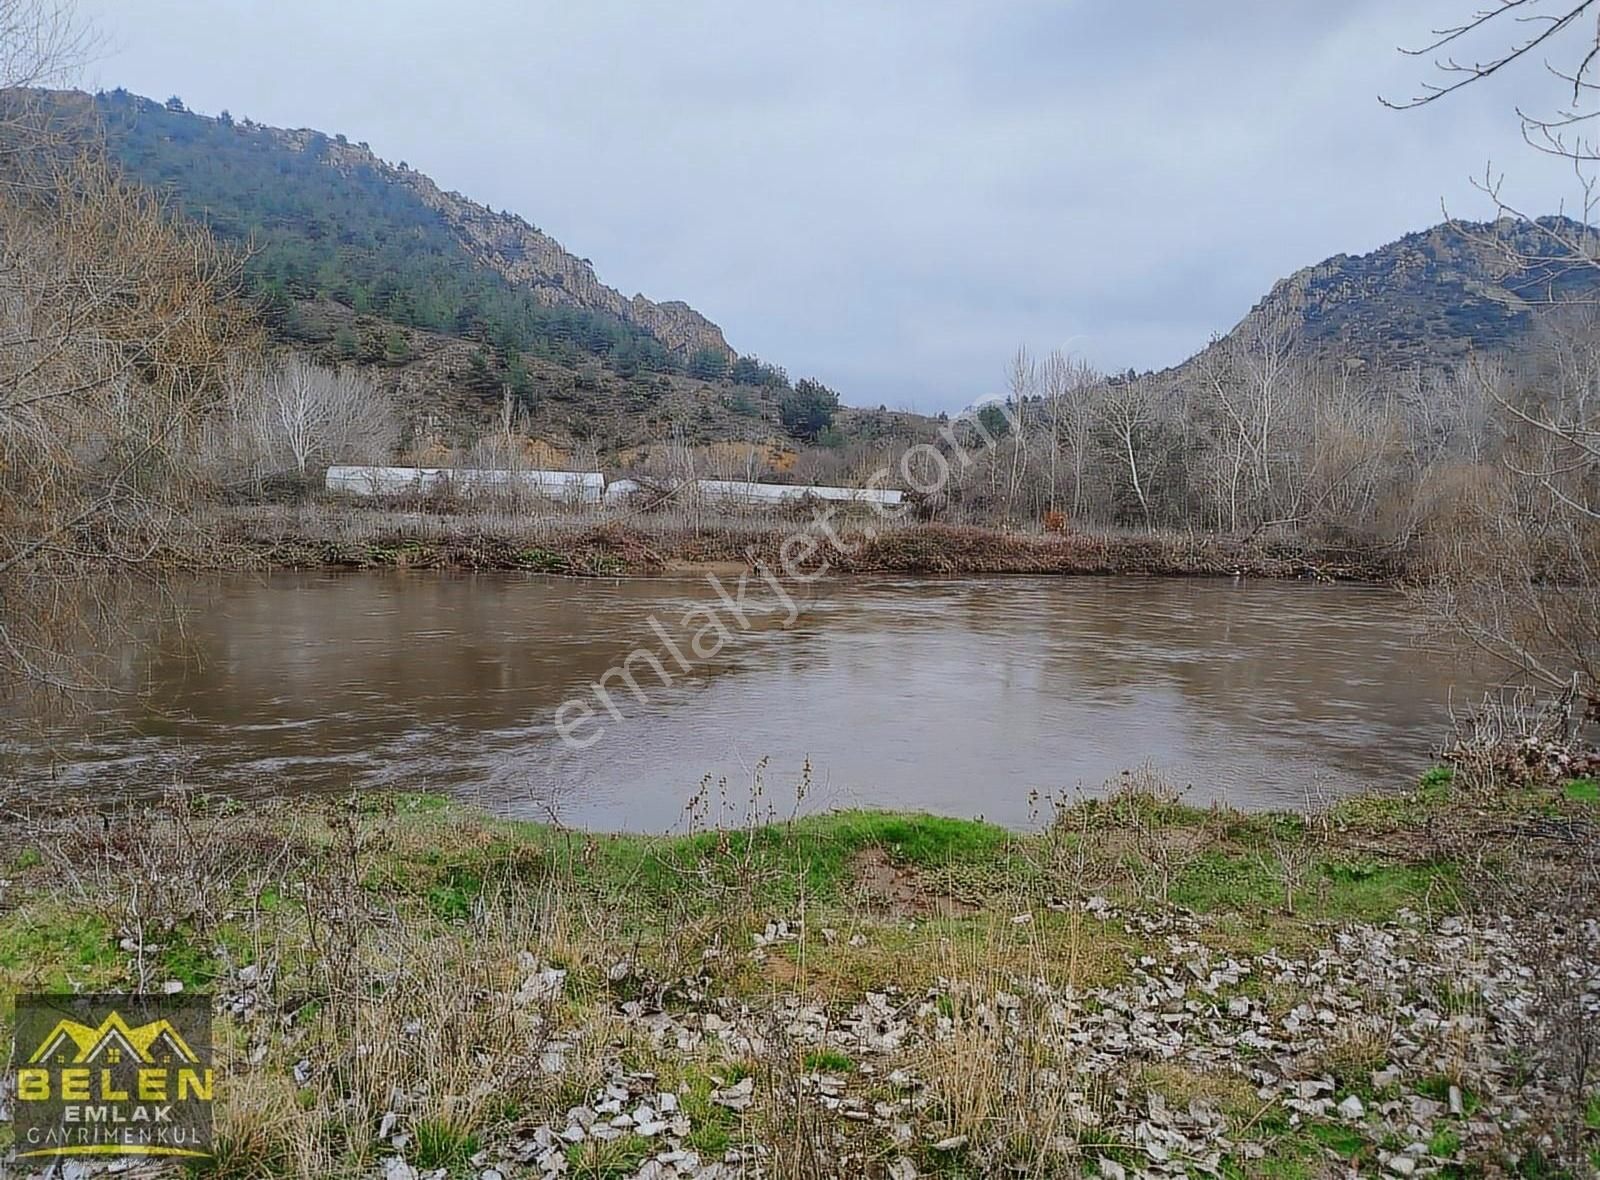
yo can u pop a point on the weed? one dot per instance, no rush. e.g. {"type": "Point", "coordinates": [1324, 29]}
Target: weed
{"type": "Point", "coordinates": [829, 1061]}
{"type": "Point", "coordinates": [442, 1143]}
{"type": "Point", "coordinates": [1582, 790]}
{"type": "Point", "coordinates": [1438, 1088]}
{"type": "Point", "coordinates": [50, 950]}
{"type": "Point", "coordinates": [596, 1160]}
{"type": "Point", "coordinates": [1345, 1142]}
{"type": "Point", "coordinates": [1435, 783]}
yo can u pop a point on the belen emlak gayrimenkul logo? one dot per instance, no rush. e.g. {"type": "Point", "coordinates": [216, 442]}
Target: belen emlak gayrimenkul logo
{"type": "Point", "coordinates": [112, 1075]}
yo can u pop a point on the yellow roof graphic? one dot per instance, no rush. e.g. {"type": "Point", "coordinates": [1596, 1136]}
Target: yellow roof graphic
{"type": "Point", "coordinates": [142, 1040]}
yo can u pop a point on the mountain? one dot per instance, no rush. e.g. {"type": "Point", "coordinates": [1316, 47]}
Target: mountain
{"type": "Point", "coordinates": [328, 217]}
{"type": "Point", "coordinates": [1433, 296]}
{"type": "Point", "coordinates": [503, 243]}
{"type": "Point", "coordinates": [450, 304]}
{"type": "Point", "coordinates": [444, 301]}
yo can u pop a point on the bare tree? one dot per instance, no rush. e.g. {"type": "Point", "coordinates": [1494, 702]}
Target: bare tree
{"type": "Point", "coordinates": [1128, 413]}
{"type": "Point", "coordinates": [1070, 391]}
{"type": "Point", "coordinates": [1504, 32]}
{"type": "Point", "coordinates": [1247, 386]}
{"type": "Point", "coordinates": [116, 322]}
{"type": "Point", "coordinates": [1022, 380]}
{"type": "Point", "coordinates": [294, 415]}
{"type": "Point", "coordinates": [1528, 591]}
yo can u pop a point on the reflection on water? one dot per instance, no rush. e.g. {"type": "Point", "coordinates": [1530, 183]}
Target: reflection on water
{"type": "Point", "coordinates": [959, 697]}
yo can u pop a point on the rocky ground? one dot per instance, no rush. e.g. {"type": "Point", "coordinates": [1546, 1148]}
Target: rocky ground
{"type": "Point", "coordinates": [1406, 986]}
{"type": "Point", "coordinates": [1393, 1059]}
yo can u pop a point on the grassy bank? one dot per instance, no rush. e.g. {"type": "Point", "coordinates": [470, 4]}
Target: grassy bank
{"type": "Point", "coordinates": [407, 988]}
{"type": "Point", "coordinates": [600, 543]}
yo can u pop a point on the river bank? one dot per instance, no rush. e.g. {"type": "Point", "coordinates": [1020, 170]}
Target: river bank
{"type": "Point", "coordinates": [405, 988]}
{"type": "Point", "coordinates": [596, 544]}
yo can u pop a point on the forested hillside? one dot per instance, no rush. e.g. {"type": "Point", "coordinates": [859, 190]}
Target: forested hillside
{"type": "Point", "coordinates": [1433, 296]}
{"type": "Point", "coordinates": [459, 313]}
{"type": "Point", "coordinates": [325, 223]}
{"type": "Point", "coordinates": [451, 306]}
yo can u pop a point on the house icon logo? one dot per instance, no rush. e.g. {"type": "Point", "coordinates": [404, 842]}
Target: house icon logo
{"type": "Point", "coordinates": [113, 1043]}
{"type": "Point", "coordinates": [111, 1076]}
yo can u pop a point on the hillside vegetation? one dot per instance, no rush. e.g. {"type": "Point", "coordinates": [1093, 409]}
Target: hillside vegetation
{"type": "Point", "coordinates": [1432, 297]}
{"type": "Point", "coordinates": [450, 304]}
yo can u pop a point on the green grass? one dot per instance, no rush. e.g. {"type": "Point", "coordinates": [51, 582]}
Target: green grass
{"type": "Point", "coordinates": [186, 959]}
{"type": "Point", "coordinates": [1345, 1142]}
{"type": "Point", "coordinates": [1437, 781]}
{"type": "Point", "coordinates": [1366, 891]}
{"type": "Point", "coordinates": [829, 1061]}
{"type": "Point", "coordinates": [1434, 790]}
{"type": "Point", "coordinates": [544, 561]}
{"type": "Point", "coordinates": [453, 896]}
{"type": "Point", "coordinates": [1582, 790]}
{"type": "Point", "coordinates": [1293, 1153]}
{"type": "Point", "coordinates": [812, 854]}
{"type": "Point", "coordinates": [442, 1143]}
{"type": "Point", "coordinates": [711, 1126]}
{"type": "Point", "coordinates": [1337, 890]}
{"type": "Point", "coordinates": [1217, 881]}
{"type": "Point", "coordinates": [49, 949]}
{"type": "Point", "coordinates": [1438, 1088]}
{"type": "Point", "coordinates": [594, 1160]}
{"type": "Point", "coordinates": [446, 872]}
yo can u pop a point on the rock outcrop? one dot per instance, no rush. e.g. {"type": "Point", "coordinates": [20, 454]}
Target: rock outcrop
{"type": "Point", "coordinates": [524, 255]}
{"type": "Point", "coordinates": [1433, 296]}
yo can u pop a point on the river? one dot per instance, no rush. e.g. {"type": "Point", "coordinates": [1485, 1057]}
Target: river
{"type": "Point", "coordinates": [964, 697]}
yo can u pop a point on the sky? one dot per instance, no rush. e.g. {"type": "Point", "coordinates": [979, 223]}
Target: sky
{"type": "Point", "coordinates": [888, 195]}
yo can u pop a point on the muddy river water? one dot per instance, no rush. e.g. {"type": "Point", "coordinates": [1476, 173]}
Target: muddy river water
{"type": "Point", "coordinates": [968, 697]}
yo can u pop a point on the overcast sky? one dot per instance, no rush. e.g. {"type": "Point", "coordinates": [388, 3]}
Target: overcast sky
{"type": "Point", "coordinates": [890, 195]}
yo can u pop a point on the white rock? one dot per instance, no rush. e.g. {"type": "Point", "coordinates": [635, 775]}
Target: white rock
{"type": "Point", "coordinates": [737, 1096]}
{"type": "Point", "coordinates": [542, 986]}
{"type": "Point", "coordinates": [1352, 1110]}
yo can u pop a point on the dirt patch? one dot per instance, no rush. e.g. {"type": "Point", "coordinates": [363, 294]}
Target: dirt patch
{"type": "Point", "coordinates": [334, 535]}
{"type": "Point", "coordinates": [900, 892]}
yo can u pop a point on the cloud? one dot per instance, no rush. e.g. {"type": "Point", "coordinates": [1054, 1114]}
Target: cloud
{"type": "Point", "coordinates": [888, 196]}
